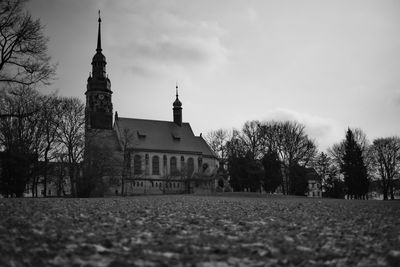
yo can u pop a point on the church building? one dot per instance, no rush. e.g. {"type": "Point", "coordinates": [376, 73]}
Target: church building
{"type": "Point", "coordinates": [148, 156]}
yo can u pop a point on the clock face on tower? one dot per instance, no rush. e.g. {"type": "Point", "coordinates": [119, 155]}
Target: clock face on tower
{"type": "Point", "coordinates": [101, 97]}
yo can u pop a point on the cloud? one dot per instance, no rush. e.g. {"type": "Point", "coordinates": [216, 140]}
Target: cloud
{"type": "Point", "coordinates": [163, 41]}
{"type": "Point", "coordinates": [190, 52]}
{"type": "Point", "coordinates": [324, 130]}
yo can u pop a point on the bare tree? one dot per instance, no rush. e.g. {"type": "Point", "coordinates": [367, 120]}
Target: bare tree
{"type": "Point", "coordinates": [217, 140]}
{"type": "Point", "coordinates": [292, 144]}
{"type": "Point", "coordinates": [51, 119]}
{"type": "Point", "coordinates": [23, 47]}
{"type": "Point", "coordinates": [251, 137]}
{"type": "Point", "coordinates": [331, 183]}
{"type": "Point", "coordinates": [20, 137]}
{"type": "Point", "coordinates": [386, 155]}
{"type": "Point", "coordinates": [71, 136]}
{"type": "Point", "coordinates": [127, 139]}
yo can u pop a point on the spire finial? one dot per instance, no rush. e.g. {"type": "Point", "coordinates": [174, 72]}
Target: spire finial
{"type": "Point", "coordinates": [176, 89]}
{"type": "Point", "coordinates": [99, 35]}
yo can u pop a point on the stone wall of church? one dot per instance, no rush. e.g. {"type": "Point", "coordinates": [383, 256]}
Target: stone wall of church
{"type": "Point", "coordinates": [170, 165]}
{"type": "Point", "coordinates": [155, 173]}
{"type": "Point", "coordinates": [151, 172]}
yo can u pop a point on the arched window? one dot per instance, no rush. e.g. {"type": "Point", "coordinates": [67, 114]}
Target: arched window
{"type": "Point", "coordinates": [183, 167]}
{"type": "Point", "coordinates": [199, 162]}
{"type": "Point", "coordinates": [156, 165]}
{"type": "Point", "coordinates": [205, 167]}
{"type": "Point", "coordinates": [137, 164]}
{"type": "Point", "coordinates": [173, 166]}
{"type": "Point", "coordinates": [190, 167]}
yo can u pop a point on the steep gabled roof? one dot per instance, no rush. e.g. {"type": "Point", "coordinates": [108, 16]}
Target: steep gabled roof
{"type": "Point", "coordinates": [153, 135]}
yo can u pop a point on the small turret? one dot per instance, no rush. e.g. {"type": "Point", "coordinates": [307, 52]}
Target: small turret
{"type": "Point", "coordinates": [177, 109]}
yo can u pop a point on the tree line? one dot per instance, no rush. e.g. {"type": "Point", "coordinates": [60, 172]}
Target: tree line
{"type": "Point", "coordinates": [280, 156]}
{"type": "Point", "coordinates": [37, 130]}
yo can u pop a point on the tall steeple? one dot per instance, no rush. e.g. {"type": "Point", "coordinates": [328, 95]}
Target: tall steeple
{"type": "Point", "coordinates": [99, 35]}
{"type": "Point", "coordinates": [99, 109]}
{"type": "Point", "coordinates": [177, 109]}
{"type": "Point", "coordinates": [99, 60]}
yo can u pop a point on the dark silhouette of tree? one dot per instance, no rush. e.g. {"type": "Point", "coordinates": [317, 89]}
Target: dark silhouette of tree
{"type": "Point", "coordinates": [386, 155]}
{"type": "Point", "coordinates": [298, 184]}
{"type": "Point", "coordinates": [217, 141]}
{"type": "Point", "coordinates": [337, 151]}
{"type": "Point", "coordinates": [236, 162]}
{"type": "Point", "coordinates": [71, 136]}
{"type": "Point", "coordinates": [292, 145]}
{"type": "Point", "coordinates": [20, 137]}
{"type": "Point", "coordinates": [17, 168]}
{"type": "Point", "coordinates": [50, 120]}
{"type": "Point", "coordinates": [246, 150]}
{"type": "Point", "coordinates": [255, 174]}
{"type": "Point", "coordinates": [252, 139]}
{"type": "Point", "coordinates": [23, 47]}
{"type": "Point", "coordinates": [354, 168]}
{"type": "Point", "coordinates": [244, 169]}
{"type": "Point", "coordinates": [330, 177]}
{"type": "Point", "coordinates": [272, 172]}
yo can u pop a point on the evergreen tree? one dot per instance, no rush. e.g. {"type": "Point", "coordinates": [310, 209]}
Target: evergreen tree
{"type": "Point", "coordinates": [354, 168]}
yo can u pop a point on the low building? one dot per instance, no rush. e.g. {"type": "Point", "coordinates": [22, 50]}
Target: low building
{"type": "Point", "coordinates": [314, 183]}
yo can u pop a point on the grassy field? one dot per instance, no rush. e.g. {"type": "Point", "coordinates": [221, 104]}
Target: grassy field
{"type": "Point", "coordinates": [187, 230]}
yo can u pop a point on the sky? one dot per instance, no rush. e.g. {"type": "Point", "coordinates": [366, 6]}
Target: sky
{"type": "Point", "coordinates": [327, 64]}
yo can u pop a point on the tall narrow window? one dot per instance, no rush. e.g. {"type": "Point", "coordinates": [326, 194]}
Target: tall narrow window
{"type": "Point", "coordinates": [137, 164]}
{"type": "Point", "coordinates": [190, 167]}
{"type": "Point", "coordinates": [173, 166]}
{"type": "Point", "coordinates": [156, 165]}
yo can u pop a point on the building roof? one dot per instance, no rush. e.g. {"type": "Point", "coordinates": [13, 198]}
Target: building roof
{"type": "Point", "coordinates": [165, 136]}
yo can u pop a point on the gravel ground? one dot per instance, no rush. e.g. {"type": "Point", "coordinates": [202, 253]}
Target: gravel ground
{"type": "Point", "coordinates": [204, 231]}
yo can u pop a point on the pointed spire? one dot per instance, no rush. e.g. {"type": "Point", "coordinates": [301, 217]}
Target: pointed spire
{"type": "Point", "coordinates": [99, 35]}
{"type": "Point", "coordinates": [177, 102]}
{"type": "Point", "coordinates": [177, 108]}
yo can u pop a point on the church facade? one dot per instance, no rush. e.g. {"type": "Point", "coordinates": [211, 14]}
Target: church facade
{"type": "Point", "coordinates": [147, 156]}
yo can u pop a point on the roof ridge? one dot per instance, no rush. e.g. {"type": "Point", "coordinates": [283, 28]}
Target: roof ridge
{"type": "Point", "coordinates": [148, 120]}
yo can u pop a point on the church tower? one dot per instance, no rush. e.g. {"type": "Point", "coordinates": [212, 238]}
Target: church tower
{"type": "Point", "coordinates": [177, 109]}
{"type": "Point", "coordinates": [99, 109]}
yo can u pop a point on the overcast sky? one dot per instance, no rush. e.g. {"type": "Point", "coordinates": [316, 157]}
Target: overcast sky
{"type": "Point", "coordinates": [327, 64]}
